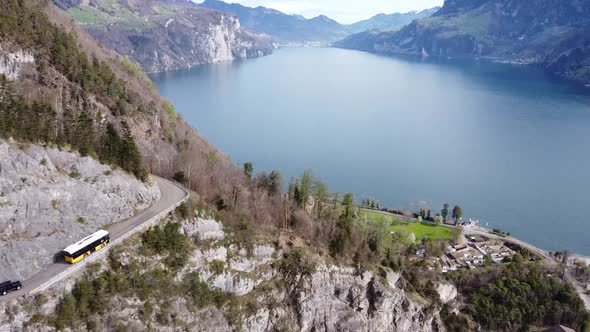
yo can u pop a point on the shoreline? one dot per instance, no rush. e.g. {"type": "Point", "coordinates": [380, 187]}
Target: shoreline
{"type": "Point", "coordinates": [545, 253]}
{"type": "Point", "coordinates": [481, 230]}
{"type": "Point", "coordinates": [582, 86]}
{"type": "Point", "coordinates": [580, 288]}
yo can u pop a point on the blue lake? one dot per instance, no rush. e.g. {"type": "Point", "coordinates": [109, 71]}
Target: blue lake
{"type": "Point", "coordinates": [504, 142]}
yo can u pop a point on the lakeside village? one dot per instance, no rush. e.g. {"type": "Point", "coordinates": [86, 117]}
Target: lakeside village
{"type": "Point", "coordinates": [479, 251]}
{"type": "Point", "coordinates": [466, 249]}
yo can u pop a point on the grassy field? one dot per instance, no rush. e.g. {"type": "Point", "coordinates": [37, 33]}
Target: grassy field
{"type": "Point", "coordinates": [90, 16]}
{"type": "Point", "coordinates": [378, 216]}
{"type": "Point", "coordinates": [404, 227]}
{"type": "Point", "coordinates": [424, 230]}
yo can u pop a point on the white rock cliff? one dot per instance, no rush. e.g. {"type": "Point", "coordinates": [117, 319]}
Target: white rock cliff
{"type": "Point", "coordinates": [50, 199]}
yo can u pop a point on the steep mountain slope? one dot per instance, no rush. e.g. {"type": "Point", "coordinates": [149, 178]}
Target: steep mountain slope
{"type": "Point", "coordinates": [51, 198]}
{"type": "Point", "coordinates": [389, 22]}
{"type": "Point", "coordinates": [167, 34]}
{"type": "Point", "coordinates": [66, 71]}
{"type": "Point", "coordinates": [554, 34]}
{"type": "Point", "coordinates": [266, 289]}
{"type": "Point", "coordinates": [283, 27]}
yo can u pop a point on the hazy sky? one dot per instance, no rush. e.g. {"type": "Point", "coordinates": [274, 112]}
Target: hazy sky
{"type": "Point", "coordinates": [343, 11]}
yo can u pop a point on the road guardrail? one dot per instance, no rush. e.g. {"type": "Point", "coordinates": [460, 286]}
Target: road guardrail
{"type": "Point", "coordinates": [95, 256]}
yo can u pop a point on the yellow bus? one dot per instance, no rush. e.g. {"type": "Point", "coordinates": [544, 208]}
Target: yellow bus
{"type": "Point", "coordinates": [83, 248]}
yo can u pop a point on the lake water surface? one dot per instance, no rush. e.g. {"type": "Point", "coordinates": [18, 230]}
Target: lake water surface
{"type": "Point", "coordinates": [504, 142]}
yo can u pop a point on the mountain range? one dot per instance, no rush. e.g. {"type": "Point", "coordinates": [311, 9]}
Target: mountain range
{"type": "Point", "coordinates": [163, 35]}
{"type": "Point", "coordinates": [385, 22]}
{"type": "Point", "coordinates": [166, 34]}
{"type": "Point", "coordinates": [296, 28]}
{"type": "Point", "coordinates": [552, 34]}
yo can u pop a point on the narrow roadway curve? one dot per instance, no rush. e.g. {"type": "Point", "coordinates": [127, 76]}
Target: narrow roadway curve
{"type": "Point", "coordinates": [171, 194]}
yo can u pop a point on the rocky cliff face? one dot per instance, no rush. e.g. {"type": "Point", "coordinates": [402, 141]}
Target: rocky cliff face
{"type": "Point", "coordinates": [12, 62]}
{"type": "Point", "coordinates": [168, 35]}
{"type": "Point", "coordinates": [330, 298]}
{"type": "Point", "coordinates": [551, 33]}
{"type": "Point", "coordinates": [50, 199]}
{"type": "Point", "coordinates": [283, 27]}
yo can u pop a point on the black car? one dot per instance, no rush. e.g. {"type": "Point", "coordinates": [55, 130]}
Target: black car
{"type": "Point", "coordinates": [9, 286]}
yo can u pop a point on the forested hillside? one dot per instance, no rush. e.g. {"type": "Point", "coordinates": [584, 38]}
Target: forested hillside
{"type": "Point", "coordinates": [166, 34]}
{"type": "Point", "coordinates": [79, 94]}
{"type": "Point", "coordinates": [553, 34]}
{"type": "Point", "coordinates": [37, 120]}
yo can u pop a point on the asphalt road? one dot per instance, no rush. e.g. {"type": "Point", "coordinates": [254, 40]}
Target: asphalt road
{"type": "Point", "coordinates": [482, 231]}
{"type": "Point", "coordinates": [170, 195]}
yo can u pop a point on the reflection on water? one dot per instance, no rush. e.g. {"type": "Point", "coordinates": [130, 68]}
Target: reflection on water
{"type": "Point", "coordinates": [503, 141]}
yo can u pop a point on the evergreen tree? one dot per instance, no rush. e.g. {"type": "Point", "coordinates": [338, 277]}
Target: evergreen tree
{"type": "Point", "coordinates": [297, 195]}
{"type": "Point", "coordinates": [457, 213]}
{"type": "Point", "coordinates": [348, 205]}
{"type": "Point", "coordinates": [131, 159]}
{"type": "Point", "coordinates": [445, 211]}
{"type": "Point", "coordinates": [321, 193]}
{"type": "Point", "coordinates": [344, 231]}
{"type": "Point", "coordinates": [306, 186]}
{"type": "Point", "coordinates": [276, 182]}
{"type": "Point", "coordinates": [291, 189]}
{"type": "Point", "coordinates": [249, 170]}
{"type": "Point", "coordinates": [27, 25]}
{"type": "Point", "coordinates": [111, 144]}
{"type": "Point", "coordinates": [84, 133]}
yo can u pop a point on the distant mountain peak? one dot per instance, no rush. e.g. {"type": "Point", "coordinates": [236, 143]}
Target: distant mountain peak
{"type": "Point", "coordinates": [296, 28]}
{"type": "Point", "coordinates": [325, 18]}
{"type": "Point", "coordinates": [388, 22]}
{"type": "Point", "coordinates": [281, 26]}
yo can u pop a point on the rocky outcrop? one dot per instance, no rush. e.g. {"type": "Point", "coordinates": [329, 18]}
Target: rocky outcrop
{"type": "Point", "coordinates": [332, 298]}
{"type": "Point", "coordinates": [167, 35]}
{"type": "Point", "coordinates": [446, 292]}
{"type": "Point", "coordinates": [329, 298]}
{"type": "Point", "coordinates": [51, 198]}
{"type": "Point", "coordinates": [204, 229]}
{"type": "Point", "coordinates": [553, 34]}
{"type": "Point", "coordinates": [338, 299]}
{"type": "Point", "coordinates": [12, 62]}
